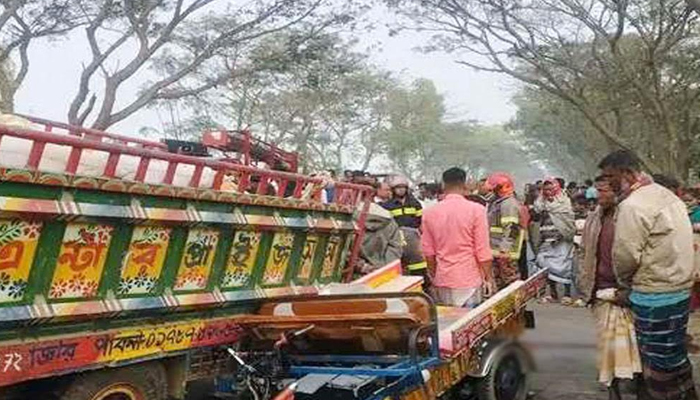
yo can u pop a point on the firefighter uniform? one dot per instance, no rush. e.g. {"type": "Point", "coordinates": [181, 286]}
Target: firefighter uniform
{"type": "Point", "coordinates": [408, 216]}
{"type": "Point", "coordinates": [507, 238]}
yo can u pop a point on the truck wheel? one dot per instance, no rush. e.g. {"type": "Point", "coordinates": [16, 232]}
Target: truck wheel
{"type": "Point", "coordinates": [136, 382]}
{"type": "Point", "coordinates": [506, 380]}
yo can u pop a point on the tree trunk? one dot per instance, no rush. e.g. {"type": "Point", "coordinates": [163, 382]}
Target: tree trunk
{"type": "Point", "coordinates": [682, 163]}
{"type": "Point", "coordinates": [7, 101]}
{"type": "Point", "coordinates": [7, 91]}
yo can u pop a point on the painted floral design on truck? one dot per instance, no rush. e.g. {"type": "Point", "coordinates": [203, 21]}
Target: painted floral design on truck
{"type": "Point", "coordinates": [18, 241]}
{"type": "Point", "coordinates": [80, 261]}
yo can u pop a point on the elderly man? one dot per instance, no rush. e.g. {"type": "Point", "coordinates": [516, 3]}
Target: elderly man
{"type": "Point", "coordinates": [653, 255]}
{"type": "Point", "coordinates": [618, 354]}
{"type": "Point", "coordinates": [557, 229]}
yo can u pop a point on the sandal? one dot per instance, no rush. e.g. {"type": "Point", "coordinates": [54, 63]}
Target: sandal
{"type": "Point", "coordinates": [567, 301]}
{"type": "Point", "coordinates": [580, 303]}
{"type": "Point", "coordinates": [547, 300]}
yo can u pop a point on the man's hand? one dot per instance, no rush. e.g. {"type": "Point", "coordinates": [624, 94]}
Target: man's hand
{"type": "Point", "coordinates": [489, 287]}
{"type": "Point", "coordinates": [364, 268]}
{"type": "Point", "coordinates": [489, 283]}
{"type": "Point", "coordinates": [622, 298]}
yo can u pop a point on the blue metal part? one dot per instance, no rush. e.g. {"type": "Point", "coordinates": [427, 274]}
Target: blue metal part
{"type": "Point", "coordinates": [329, 358]}
{"type": "Point", "coordinates": [398, 387]}
{"type": "Point", "coordinates": [225, 384]}
{"type": "Point", "coordinates": [411, 368]}
{"type": "Point", "coordinates": [402, 373]}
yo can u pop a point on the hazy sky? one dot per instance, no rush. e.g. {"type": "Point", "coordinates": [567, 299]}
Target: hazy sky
{"type": "Point", "coordinates": [55, 68]}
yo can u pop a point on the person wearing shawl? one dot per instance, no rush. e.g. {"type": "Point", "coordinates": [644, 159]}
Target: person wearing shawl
{"type": "Point", "coordinates": [653, 255]}
{"type": "Point", "coordinates": [618, 353]}
{"type": "Point", "coordinates": [557, 230]}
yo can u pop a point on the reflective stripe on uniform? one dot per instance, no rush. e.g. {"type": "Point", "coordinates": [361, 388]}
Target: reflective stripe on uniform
{"type": "Point", "coordinates": [417, 266]}
{"type": "Point", "coordinates": [509, 220]}
{"type": "Point", "coordinates": [410, 211]}
{"type": "Point", "coordinates": [496, 229]}
{"type": "Point", "coordinates": [516, 253]}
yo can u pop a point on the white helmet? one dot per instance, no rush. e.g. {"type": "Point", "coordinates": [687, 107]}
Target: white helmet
{"type": "Point", "coordinates": [398, 180]}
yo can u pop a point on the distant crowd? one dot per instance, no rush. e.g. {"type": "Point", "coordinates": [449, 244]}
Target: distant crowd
{"type": "Point", "coordinates": [622, 244]}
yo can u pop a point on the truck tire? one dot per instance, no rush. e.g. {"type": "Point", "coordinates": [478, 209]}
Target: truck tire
{"type": "Point", "coordinates": [506, 380]}
{"type": "Point", "coordinates": [145, 381]}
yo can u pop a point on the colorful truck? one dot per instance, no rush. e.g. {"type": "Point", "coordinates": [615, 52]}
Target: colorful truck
{"type": "Point", "coordinates": [130, 267]}
{"type": "Point", "coordinates": [116, 249]}
{"type": "Point", "coordinates": [360, 341]}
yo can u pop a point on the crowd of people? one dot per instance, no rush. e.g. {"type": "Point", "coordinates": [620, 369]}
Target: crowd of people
{"type": "Point", "coordinates": [622, 244]}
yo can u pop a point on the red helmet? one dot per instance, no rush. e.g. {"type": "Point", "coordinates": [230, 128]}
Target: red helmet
{"type": "Point", "coordinates": [501, 183]}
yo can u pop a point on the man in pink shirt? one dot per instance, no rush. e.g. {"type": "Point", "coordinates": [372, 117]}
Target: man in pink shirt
{"type": "Point", "coordinates": [456, 245]}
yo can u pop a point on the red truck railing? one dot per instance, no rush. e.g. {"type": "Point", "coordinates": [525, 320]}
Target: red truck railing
{"type": "Point", "coordinates": [251, 149]}
{"type": "Point", "coordinates": [63, 148]}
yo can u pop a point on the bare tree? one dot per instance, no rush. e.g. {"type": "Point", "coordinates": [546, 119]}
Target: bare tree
{"type": "Point", "coordinates": [21, 22]}
{"type": "Point", "coordinates": [178, 40]}
{"type": "Point", "coordinates": [630, 67]}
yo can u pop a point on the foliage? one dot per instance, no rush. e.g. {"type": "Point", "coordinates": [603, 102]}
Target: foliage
{"type": "Point", "coordinates": [307, 91]}
{"type": "Point", "coordinates": [22, 22]}
{"type": "Point", "coordinates": [181, 48]}
{"type": "Point", "coordinates": [555, 132]}
{"type": "Point", "coordinates": [310, 91]}
{"type": "Point", "coordinates": [421, 144]}
{"type": "Point", "coordinates": [629, 68]}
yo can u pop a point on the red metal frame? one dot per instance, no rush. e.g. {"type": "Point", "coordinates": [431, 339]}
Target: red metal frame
{"type": "Point", "coordinates": [80, 139]}
{"type": "Point", "coordinates": [244, 143]}
{"type": "Point", "coordinates": [349, 269]}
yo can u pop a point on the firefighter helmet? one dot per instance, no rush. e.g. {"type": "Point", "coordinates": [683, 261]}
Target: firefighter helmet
{"type": "Point", "coordinates": [501, 183]}
{"type": "Point", "coordinates": [398, 180]}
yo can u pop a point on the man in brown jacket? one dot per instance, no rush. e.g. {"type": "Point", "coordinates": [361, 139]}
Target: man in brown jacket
{"type": "Point", "coordinates": [653, 254]}
{"type": "Point", "coordinates": [618, 354]}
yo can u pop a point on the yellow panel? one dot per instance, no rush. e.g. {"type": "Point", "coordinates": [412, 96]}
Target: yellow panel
{"type": "Point", "coordinates": [144, 260]}
{"type": "Point", "coordinates": [81, 261]}
{"type": "Point", "coordinates": [307, 257]}
{"type": "Point", "coordinates": [278, 260]}
{"type": "Point", "coordinates": [241, 259]}
{"type": "Point", "coordinates": [141, 342]}
{"type": "Point", "coordinates": [18, 240]}
{"type": "Point", "coordinates": [197, 259]}
{"type": "Point", "coordinates": [330, 260]}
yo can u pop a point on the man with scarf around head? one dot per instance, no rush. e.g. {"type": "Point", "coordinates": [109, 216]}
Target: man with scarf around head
{"type": "Point", "coordinates": [557, 228]}
{"type": "Point", "coordinates": [506, 229]}
{"type": "Point", "coordinates": [408, 212]}
{"type": "Point", "coordinates": [653, 255]}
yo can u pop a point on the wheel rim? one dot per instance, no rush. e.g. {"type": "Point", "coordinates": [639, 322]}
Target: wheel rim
{"type": "Point", "coordinates": [119, 391]}
{"type": "Point", "coordinates": [510, 380]}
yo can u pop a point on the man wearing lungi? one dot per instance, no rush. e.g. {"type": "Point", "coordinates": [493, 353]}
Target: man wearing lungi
{"type": "Point", "coordinates": [653, 255]}
{"type": "Point", "coordinates": [618, 354]}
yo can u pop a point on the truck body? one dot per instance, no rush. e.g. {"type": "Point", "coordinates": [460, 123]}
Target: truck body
{"type": "Point", "coordinates": [370, 341]}
{"type": "Point", "coordinates": [113, 249]}
{"type": "Point", "coordinates": [130, 267]}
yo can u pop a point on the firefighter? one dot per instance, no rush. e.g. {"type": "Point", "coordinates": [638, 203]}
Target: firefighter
{"type": "Point", "coordinates": [405, 208]}
{"type": "Point", "coordinates": [407, 212]}
{"type": "Point", "coordinates": [506, 227]}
